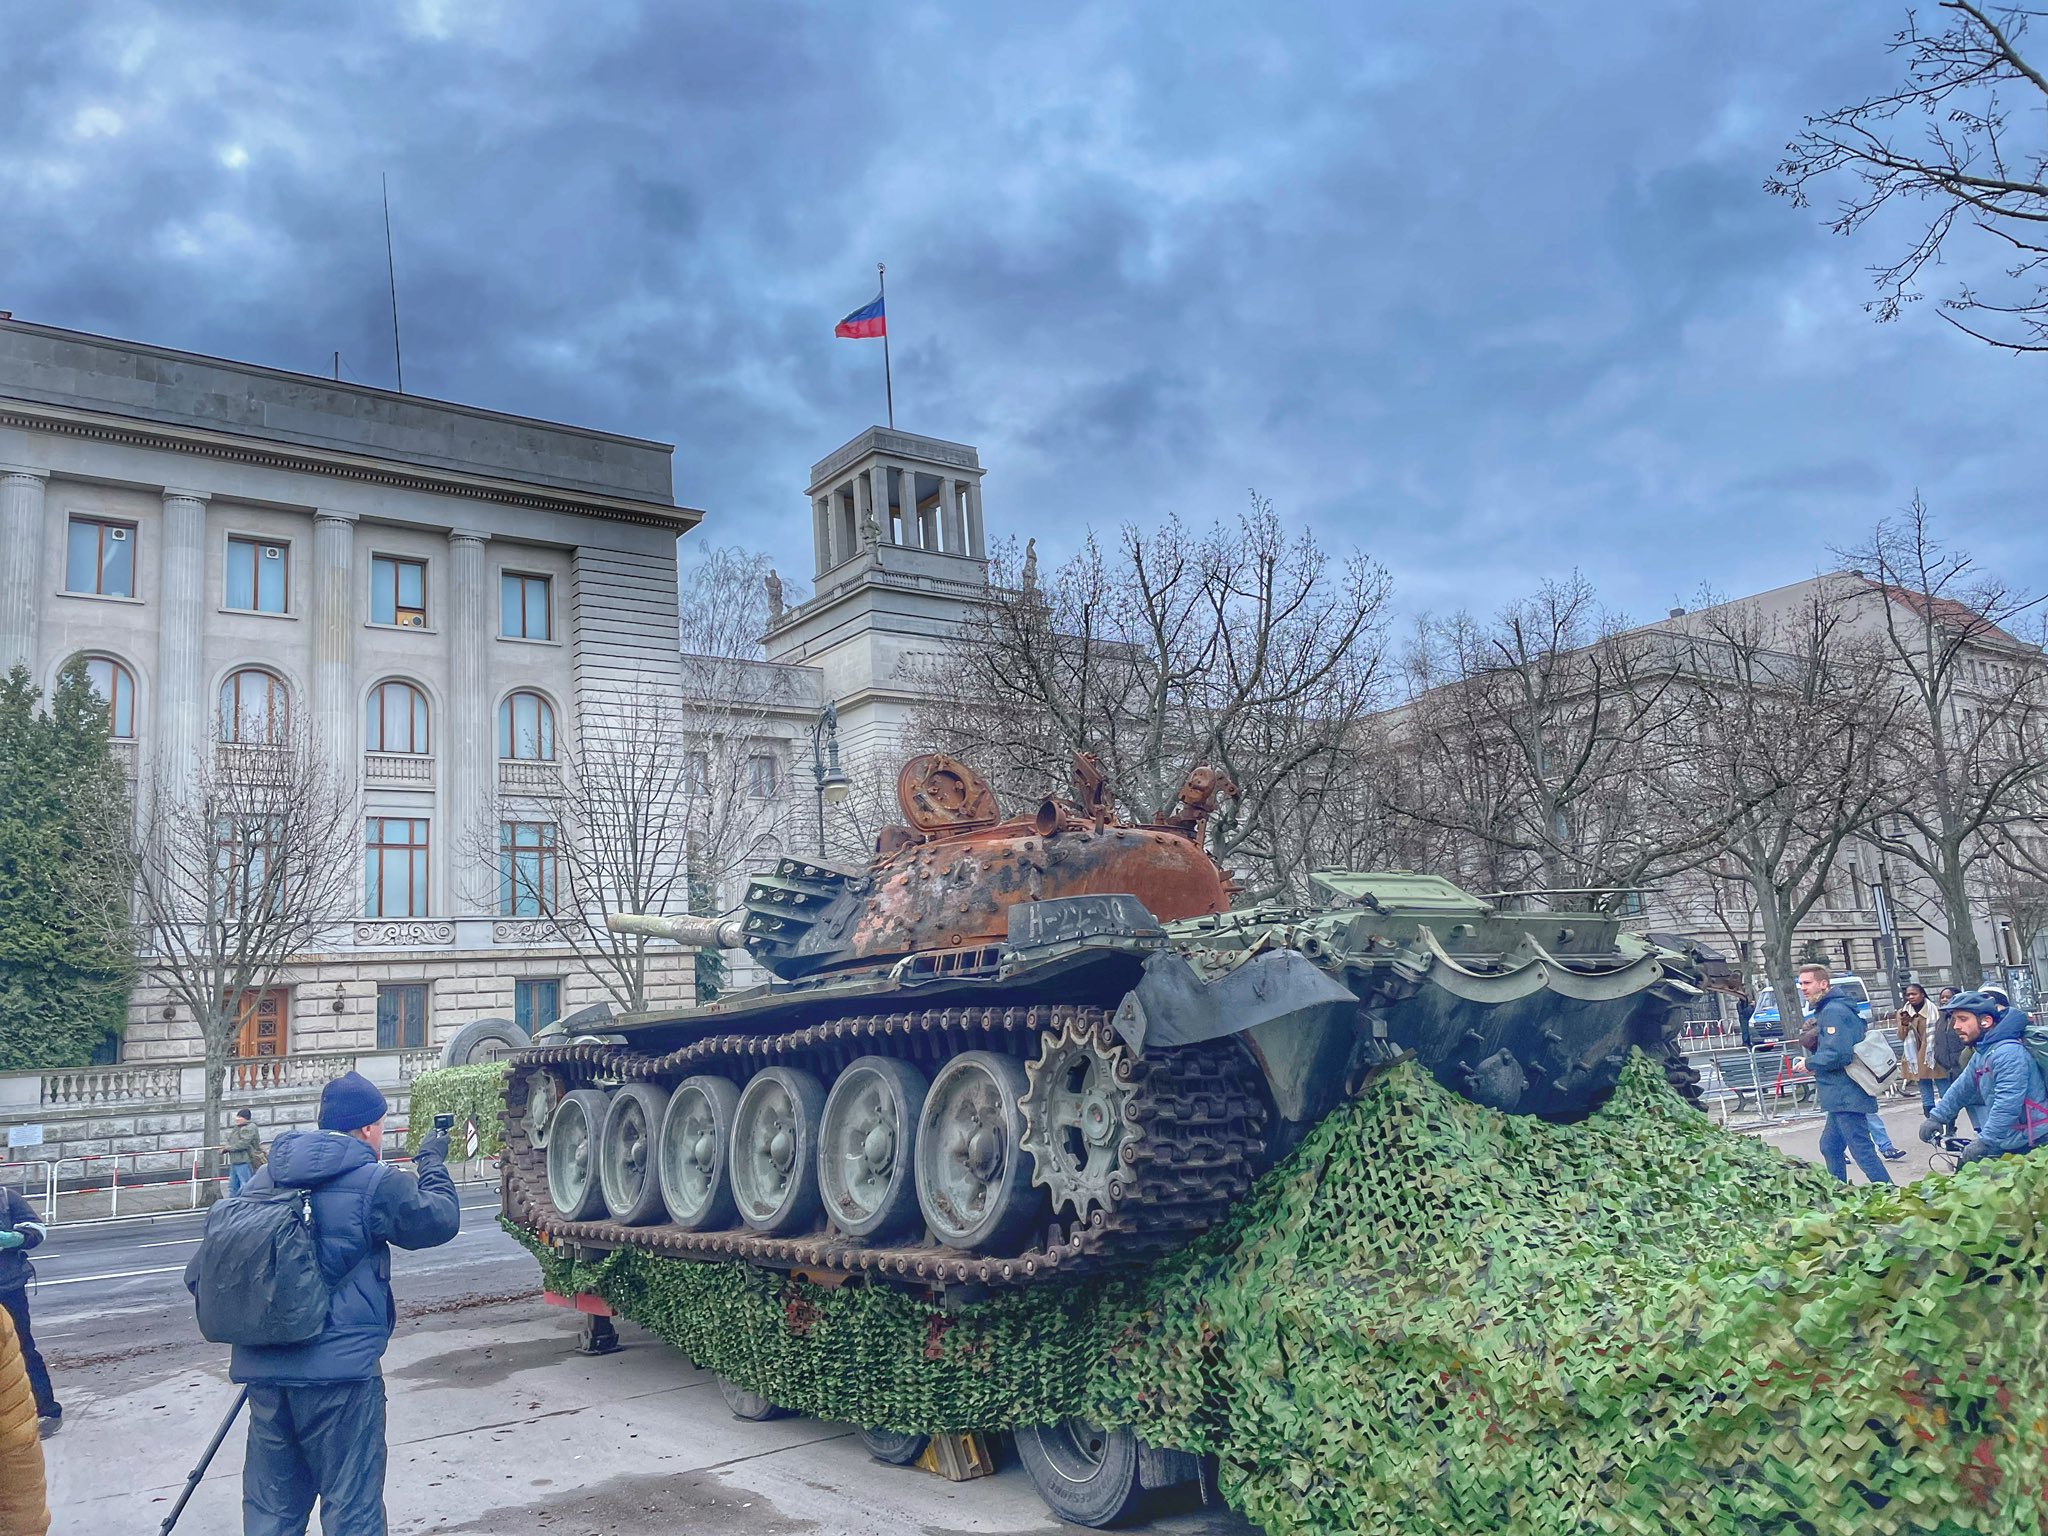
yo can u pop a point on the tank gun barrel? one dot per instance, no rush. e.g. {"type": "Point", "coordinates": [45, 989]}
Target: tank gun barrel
{"type": "Point", "coordinates": [690, 932]}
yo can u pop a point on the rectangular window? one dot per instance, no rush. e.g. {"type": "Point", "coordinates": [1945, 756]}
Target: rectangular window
{"type": "Point", "coordinates": [398, 591]}
{"type": "Point", "coordinates": [256, 575]}
{"type": "Point", "coordinates": [761, 776]}
{"type": "Point", "coordinates": [1905, 954]}
{"type": "Point", "coordinates": [402, 1016]}
{"type": "Point", "coordinates": [527, 868]}
{"type": "Point", "coordinates": [536, 1004]}
{"type": "Point", "coordinates": [697, 773]}
{"type": "Point", "coordinates": [395, 867]}
{"type": "Point", "coordinates": [524, 611]}
{"type": "Point", "coordinates": [99, 558]}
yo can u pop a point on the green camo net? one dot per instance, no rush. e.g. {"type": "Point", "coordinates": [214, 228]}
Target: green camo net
{"type": "Point", "coordinates": [1435, 1318]}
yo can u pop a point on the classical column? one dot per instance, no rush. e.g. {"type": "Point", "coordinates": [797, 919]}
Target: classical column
{"type": "Point", "coordinates": [821, 517]}
{"type": "Point", "coordinates": [469, 753]}
{"type": "Point", "coordinates": [21, 560]}
{"type": "Point", "coordinates": [182, 712]}
{"type": "Point", "coordinates": [975, 545]}
{"type": "Point", "coordinates": [949, 516]}
{"type": "Point", "coordinates": [878, 501]}
{"type": "Point", "coordinates": [334, 634]}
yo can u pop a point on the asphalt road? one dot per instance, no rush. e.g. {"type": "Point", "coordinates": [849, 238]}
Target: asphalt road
{"type": "Point", "coordinates": [497, 1426]}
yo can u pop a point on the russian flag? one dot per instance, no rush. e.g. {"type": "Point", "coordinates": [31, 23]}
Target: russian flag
{"type": "Point", "coordinates": [864, 323]}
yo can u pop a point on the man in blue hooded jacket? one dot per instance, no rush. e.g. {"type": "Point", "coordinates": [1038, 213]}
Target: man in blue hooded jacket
{"type": "Point", "coordinates": [1837, 1028]}
{"type": "Point", "coordinates": [2001, 1084]}
{"type": "Point", "coordinates": [316, 1410]}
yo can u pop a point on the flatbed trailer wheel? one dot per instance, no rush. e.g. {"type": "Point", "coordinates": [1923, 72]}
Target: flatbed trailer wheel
{"type": "Point", "coordinates": [894, 1449]}
{"type": "Point", "coordinates": [751, 1406]}
{"type": "Point", "coordinates": [1085, 1475]}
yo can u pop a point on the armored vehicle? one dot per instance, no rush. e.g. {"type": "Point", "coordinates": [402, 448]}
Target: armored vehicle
{"type": "Point", "coordinates": [1011, 1050]}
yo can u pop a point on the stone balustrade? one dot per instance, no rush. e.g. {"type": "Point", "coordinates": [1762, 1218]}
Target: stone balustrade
{"type": "Point", "coordinates": [176, 1082]}
{"type": "Point", "coordinates": [519, 777]}
{"type": "Point", "coordinates": [406, 768]}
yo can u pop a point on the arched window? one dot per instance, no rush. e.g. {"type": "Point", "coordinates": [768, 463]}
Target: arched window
{"type": "Point", "coordinates": [255, 709]}
{"type": "Point", "coordinates": [397, 719]}
{"type": "Point", "coordinates": [526, 728]}
{"type": "Point", "coordinates": [115, 684]}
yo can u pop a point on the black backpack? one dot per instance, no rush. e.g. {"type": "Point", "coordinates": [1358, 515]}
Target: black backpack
{"type": "Point", "coordinates": [258, 1278]}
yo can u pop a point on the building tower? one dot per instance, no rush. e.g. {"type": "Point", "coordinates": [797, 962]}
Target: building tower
{"type": "Point", "coordinates": [901, 559]}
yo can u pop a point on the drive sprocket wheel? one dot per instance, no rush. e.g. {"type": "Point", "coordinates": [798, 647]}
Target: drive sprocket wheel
{"type": "Point", "coordinates": [1077, 1122]}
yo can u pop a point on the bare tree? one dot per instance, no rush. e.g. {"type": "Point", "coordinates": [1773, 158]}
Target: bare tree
{"type": "Point", "coordinates": [1963, 753]}
{"type": "Point", "coordinates": [1961, 135]}
{"type": "Point", "coordinates": [241, 865]}
{"type": "Point", "coordinates": [1791, 714]}
{"type": "Point", "coordinates": [1543, 743]}
{"type": "Point", "coordinates": [2019, 895]}
{"type": "Point", "coordinates": [664, 793]}
{"type": "Point", "coordinates": [1241, 647]}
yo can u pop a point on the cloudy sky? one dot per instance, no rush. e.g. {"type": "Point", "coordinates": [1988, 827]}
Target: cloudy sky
{"type": "Point", "coordinates": [1490, 290]}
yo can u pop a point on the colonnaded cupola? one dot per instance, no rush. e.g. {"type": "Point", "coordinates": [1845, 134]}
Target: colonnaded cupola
{"type": "Point", "coordinates": [901, 556]}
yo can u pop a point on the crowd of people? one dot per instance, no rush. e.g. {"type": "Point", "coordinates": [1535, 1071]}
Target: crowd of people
{"type": "Point", "coordinates": [1968, 1053]}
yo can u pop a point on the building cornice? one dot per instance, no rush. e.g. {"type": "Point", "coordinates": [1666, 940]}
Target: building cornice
{"type": "Point", "coordinates": [364, 468]}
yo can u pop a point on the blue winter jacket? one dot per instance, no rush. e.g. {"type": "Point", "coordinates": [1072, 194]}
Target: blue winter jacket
{"type": "Point", "coordinates": [2003, 1083]}
{"type": "Point", "coordinates": [360, 1208]}
{"type": "Point", "coordinates": [17, 1215]}
{"type": "Point", "coordinates": [1840, 1028]}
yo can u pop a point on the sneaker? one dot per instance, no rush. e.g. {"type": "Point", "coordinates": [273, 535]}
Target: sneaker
{"type": "Point", "coordinates": [1892, 1154]}
{"type": "Point", "coordinates": [49, 1424]}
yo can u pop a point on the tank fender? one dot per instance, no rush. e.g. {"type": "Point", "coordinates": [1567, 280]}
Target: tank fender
{"type": "Point", "coordinates": [1301, 1025]}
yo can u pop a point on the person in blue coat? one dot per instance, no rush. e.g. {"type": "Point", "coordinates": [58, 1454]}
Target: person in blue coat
{"type": "Point", "coordinates": [2001, 1084]}
{"type": "Point", "coordinates": [316, 1410]}
{"type": "Point", "coordinates": [21, 1232]}
{"type": "Point", "coordinates": [1837, 1028]}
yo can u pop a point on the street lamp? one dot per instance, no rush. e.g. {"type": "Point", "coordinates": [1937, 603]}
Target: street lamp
{"type": "Point", "coordinates": [832, 785]}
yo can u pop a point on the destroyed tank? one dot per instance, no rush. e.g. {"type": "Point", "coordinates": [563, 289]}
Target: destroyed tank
{"type": "Point", "coordinates": [1010, 1050]}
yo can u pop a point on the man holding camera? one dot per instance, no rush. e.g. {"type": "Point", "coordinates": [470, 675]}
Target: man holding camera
{"type": "Point", "coordinates": [316, 1410]}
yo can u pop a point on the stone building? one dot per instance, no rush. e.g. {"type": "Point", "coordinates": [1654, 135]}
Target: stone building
{"type": "Point", "coordinates": [447, 592]}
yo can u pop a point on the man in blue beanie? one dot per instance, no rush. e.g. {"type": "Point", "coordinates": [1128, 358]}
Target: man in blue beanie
{"type": "Point", "coordinates": [316, 1410]}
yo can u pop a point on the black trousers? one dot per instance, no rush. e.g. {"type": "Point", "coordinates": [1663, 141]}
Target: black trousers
{"type": "Point", "coordinates": [315, 1441]}
{"type": "Point", "coordinates": [16, 1303]}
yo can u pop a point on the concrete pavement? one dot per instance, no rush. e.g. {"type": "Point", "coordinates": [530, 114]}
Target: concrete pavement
{"type": "Point", "coordinates": [496, 1426]}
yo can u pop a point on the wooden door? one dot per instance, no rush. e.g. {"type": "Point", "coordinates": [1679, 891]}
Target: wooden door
{"type": "Point", "coordinates": [266, 1023]}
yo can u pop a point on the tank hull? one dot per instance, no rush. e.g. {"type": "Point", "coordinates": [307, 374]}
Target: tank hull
{"type": "Point", "coordinates": [1155, 1070]}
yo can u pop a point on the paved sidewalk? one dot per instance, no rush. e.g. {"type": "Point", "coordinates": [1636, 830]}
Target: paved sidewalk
{"type": "Point", "coordinates": [1902, 1118]}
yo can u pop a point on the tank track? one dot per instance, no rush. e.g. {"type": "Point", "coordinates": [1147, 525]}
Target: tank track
{"type": "Point", "coordinates": [1197, 1115]}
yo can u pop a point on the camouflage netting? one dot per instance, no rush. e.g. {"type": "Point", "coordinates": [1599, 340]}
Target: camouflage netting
{"type": "Point", "coordinates": [469, 1094]}
{"type": "Point", "coordinates": [1435, 1318]}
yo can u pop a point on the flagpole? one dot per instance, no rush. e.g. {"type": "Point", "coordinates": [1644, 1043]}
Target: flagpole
{"type": "Point", "coordinates": [888, 384]}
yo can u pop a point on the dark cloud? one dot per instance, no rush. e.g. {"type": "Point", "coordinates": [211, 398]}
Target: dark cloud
{"type": "Point", "coordinates": [1492, 291]}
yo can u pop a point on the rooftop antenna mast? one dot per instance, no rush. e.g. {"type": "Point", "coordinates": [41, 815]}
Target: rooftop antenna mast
{"type": "Point", "coordinates": [391, 272]}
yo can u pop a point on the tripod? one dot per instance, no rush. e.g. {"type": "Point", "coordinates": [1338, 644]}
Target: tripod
{"type": "Point", "coordinates": [205, 1461]}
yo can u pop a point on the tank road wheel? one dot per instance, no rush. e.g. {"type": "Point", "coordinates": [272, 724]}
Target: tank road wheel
{"type": "Point", "coordinates": [864, 1148]}
{"type": "Point", "coordinates": [1086, 1475]}
{"type": "Point", "coordinates": [973, 1179]}
{"type": "Point", "coordinates": [626, 1154]}
{"type": "Point", "coordinates": [774, 1164]}
{"type": "Point", "coordinates": [696, 1138]}
{"type": "Point", "coordinates": [751, 1406]}
{"type": "Point", "coordinates": [1075, 1122]}
{"type": "Point", "coordinates": [543, 1095]}
{"type": "Point", "coordinates": [572, 1156]}
{"type": "Point", "coordinates": [894, 1449]}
